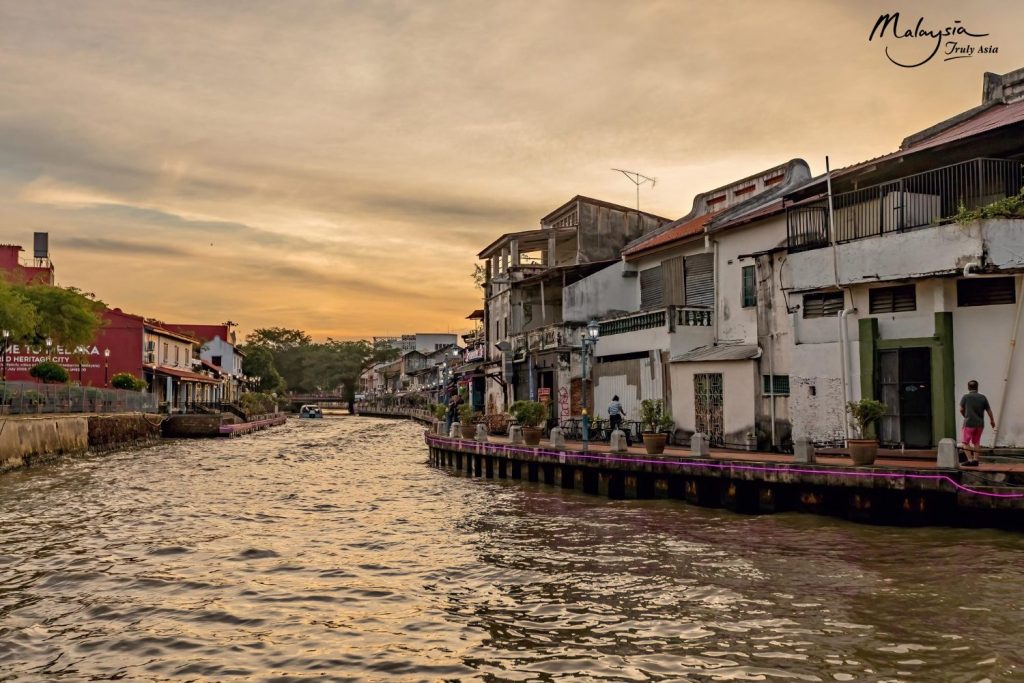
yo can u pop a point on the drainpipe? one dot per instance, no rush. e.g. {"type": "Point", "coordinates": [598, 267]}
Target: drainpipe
{"type": "Point", "coordinates": [973, 265]}
{"type": "Point", "coordinates": [771, 385]}
{"type": "Point", "coordinates": [1009, 366]}
{"type": "Point", "coordinates": [714, 308]}
{"type": "Point", "coordinates": [843, 343]}
{"type": "Point", "coordinates": [832, 224]}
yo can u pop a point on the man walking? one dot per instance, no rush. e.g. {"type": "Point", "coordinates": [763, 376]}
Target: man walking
{"type": "Point", "coordinates": [973, 407]}
{"type": "Point", "coordinates": [615, 415]}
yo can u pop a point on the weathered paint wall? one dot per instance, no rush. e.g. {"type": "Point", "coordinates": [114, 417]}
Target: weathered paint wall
{"type": "Point", "coordinates": [938, 250]}
{"type": "Point", "coordinates": [631, 380]}
{"type": "Point", "coordinates": [604, 293]}
{"type": "Point", "coordinates": [738, 380]}
{"type": "Point", "coordinates": [981, 337]}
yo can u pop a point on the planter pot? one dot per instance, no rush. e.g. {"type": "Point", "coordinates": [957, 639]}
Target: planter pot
{"type": "Point", "coordinates": [468, 430]}
{"type": "Point", "coordinates": [862, 451]}
{"type": "Point", "coordinates": [531, 435]}
{"type": "Point", "coordinates": [654, 442]}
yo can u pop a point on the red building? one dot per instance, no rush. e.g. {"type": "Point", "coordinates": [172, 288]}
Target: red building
{"type": "Point", "coordinates": [38, 270]}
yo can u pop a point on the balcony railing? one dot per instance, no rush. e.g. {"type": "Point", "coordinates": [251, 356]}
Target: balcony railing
{"type": "Point", "coordinates": [929, 198]}
{"type": "Point", "coordinates": [681, 317]}
{"type": "Point", "coordinates": [694, 317]}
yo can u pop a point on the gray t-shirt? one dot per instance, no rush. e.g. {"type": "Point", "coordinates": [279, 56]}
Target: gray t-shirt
{"type": "Point", "coordinates": [614, 408]}
{"type": "Point", "coordinates": [974, 406]}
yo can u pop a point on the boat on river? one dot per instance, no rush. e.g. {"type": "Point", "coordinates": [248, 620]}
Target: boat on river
{"type": "Point", "coordinates": [311, 411]}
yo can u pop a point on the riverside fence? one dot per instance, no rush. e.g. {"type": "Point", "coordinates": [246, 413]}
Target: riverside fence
{"type": "Point", "coordinates": [28, 398]}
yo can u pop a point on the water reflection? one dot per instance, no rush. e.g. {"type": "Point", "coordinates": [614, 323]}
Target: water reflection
{"type": "Point", "coordinates": [328, 549]}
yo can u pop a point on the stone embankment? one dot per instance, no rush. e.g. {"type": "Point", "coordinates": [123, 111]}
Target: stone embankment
{"type": "Point", "coordinates": [32, 440]}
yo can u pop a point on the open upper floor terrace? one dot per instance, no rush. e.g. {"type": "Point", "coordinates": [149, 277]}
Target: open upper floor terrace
{"type": "Point", "coordinates": [922, 200]}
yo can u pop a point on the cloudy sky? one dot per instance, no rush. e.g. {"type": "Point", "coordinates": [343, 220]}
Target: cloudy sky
{"type": "Point", "coordinates": [335, 166]}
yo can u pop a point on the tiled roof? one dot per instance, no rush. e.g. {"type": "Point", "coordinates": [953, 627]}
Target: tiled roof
{"type": "Point", "coordinates": [684, 227]}
{"type": "Point", "coordinates": [719, 352]}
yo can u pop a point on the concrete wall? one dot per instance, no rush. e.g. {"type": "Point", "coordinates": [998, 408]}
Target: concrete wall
{"type": "Point", "coordinates": [739, 384]}
{"type": "Point", "coordinates": [938, 250]}
{"type": "Point", "coordinates": [604, 293]}
{"type": "Point", "coordinates": [27, 440]}
{"type": "Point", "coordinates": [604, 231]}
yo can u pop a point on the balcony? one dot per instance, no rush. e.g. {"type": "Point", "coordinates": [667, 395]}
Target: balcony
{"type": "Point", "coordinates": [647, 320]}
{"type": "Point", "coordinates": [926, 199]}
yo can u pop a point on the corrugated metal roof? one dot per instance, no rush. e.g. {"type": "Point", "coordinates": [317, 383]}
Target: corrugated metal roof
{"type": "Point", "coordinates": [719, 352]}
{"type": "Point", "coordinates": [674, 231]}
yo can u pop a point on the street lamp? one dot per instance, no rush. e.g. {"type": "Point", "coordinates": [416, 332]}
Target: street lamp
{"type": "Point", "coordinates": [7, 337]}
{"type": "Point", "coordinates": [106, 365]}
{"type": "Point", "coordinates": [49, 343]}
{"type": "Point", "coordinates": [586, 342]}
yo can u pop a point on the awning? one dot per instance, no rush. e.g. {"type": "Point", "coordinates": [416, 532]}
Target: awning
{"type": "Point", "coordinates": [183, 375]}
{"type": "Point", "coordinates": [721, 352]}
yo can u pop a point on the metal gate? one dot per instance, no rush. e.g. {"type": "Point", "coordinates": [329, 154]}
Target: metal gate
{"type": "Point", "coordinates": [707, 401]}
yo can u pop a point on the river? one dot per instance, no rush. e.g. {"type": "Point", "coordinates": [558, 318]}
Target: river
{"type": "Point", "coordinates": [328, 550]}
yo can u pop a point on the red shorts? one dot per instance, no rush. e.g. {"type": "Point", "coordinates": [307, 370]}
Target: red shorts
{"type": "Point", "coordinates": [972, 435]}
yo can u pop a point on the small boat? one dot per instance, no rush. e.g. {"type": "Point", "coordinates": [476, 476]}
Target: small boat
{"type": "Point", "coordinates": [311, 411]}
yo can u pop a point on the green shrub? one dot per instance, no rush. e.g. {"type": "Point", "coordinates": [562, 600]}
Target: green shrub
{"type": "Point", "coordinates": [465, 413]}
{"type": "Point", "coordinates": [127, 381]}
{"type": "Point", "coordinates": [529, 413]}
{"type": "Point", "coordinates": [255, 403]}
{"type": "Point", "coordinates": [440, 411]}
{"type": "Point", "coordinates": [651, 412]}
{"type": "Point", "coordinates": [1009, 207]}
{"type": "Point", "coordinates": [49, 372]}
{"type": "Point", "coordinates": [864, 413]}
{"type": "Point", "coordinates": [33, 398]}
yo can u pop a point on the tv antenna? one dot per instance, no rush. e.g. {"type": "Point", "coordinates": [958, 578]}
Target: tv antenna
{"type": "Point", "coordinates": [637, 179]}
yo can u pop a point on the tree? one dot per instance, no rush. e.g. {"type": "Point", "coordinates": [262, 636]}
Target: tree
{"type": "Point", "coordinates": [65, 315]}
{"type": "Point", "coordinates": [17, 315]}
{"type": "Point", "coordinates": [277, 338]}
{"type": "Point", "coordinates": [479, 275]}
{"type": "Point", "coordinates": [127, 381]}
{"type": "Point", "coordinates": [259, 362]}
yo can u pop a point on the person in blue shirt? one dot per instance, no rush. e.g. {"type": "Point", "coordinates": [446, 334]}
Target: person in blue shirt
{"type": "Point", "coordinates": [615, 416]}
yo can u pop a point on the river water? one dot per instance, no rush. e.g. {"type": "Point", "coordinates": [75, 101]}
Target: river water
{"type": "Point", "coordinates": [329, 550]}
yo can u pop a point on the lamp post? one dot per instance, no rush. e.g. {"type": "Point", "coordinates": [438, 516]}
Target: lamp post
{"type": "Point", "coordinates": [587, 341]}
{"type": "Point", "coordinates": [7, 338]}
{"type": "Point", "coordinates": [106, 366]}
{"type": "Point", "coordinates": [49, 343]}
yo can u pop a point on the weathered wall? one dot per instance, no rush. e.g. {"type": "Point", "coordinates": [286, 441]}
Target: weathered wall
{"type": "Point", "coordinates": [191, 426]}
{"type": "Point", "coordinates": [26, 440]}
{"type": "Point", "coordinates": [114, 431]}
{"type": "Point", "coordinates": [601, 294]}
{"type": "Point", "coordinates": [738, 388]}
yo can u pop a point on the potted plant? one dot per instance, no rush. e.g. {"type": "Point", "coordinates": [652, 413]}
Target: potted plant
{"type": "Point", "coordinates": [652, 415]}
{"type": "Point", "coordinates": [530, 415]}
{"type": "Point", "coordinates": [863, 414]}
{"type": "Point", "coordinates": [466, 421]}
{"type": "Point", "coordinates": [440, 411]}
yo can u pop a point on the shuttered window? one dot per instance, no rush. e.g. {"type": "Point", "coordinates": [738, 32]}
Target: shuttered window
{"type": "Point", "coordinates": [672, 281]}
{"type": "Point", "coordinates": [892, 299]}
{"type": "Point", "coordinates": [651, 288]}
{"type": "Point", "coordinates": [823, 304]}
{"type": "Point", "coordinates": [700, 280]}
{"type": "Point", "coordinates": [775, 385]}
{"type": "Point", "coordinates": [986, 291]}
{"type": "Point", "coordinates": [749, 287]}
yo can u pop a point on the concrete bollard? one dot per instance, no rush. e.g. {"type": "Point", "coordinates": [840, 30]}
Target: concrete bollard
{"type": "Point", "coordinates": [481, 433]}
{"type": "Point", "coordinates": [947, 455]}
{"type": "Point", "coordinates": [557, 439]}
{"type": "Point", "coordinates": [699, 445]}
{"type": "Point", "coordinates": [515, 435]}
{"type": "Point", "coordinates": [456, 431]}
{"type": "Point", "coordinates": [439, 427]}
{"type": "Point", "coordinates": [617, 442]}
{"type": "Point", "coordinates": [803, 450]}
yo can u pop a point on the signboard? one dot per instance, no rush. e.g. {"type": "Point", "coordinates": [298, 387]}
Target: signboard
{"type": "Point", "coordinates": [544, 395]}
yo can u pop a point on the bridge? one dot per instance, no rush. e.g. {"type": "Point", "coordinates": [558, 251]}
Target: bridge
{"type": "Point", "coordinates": [333, 400]}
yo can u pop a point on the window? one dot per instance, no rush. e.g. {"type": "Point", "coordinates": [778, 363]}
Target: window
{"type": "Point", "coordinates": [986, 291]}
{"type": "Point", "coordinates": [651, 289]}
{"type": "Point", "coordinates": [177, 354]}
{"type": "Point", "coordinates": [699, 279]}
{"type": "Point", "coordinates": [775, 385]}
{"type": "Point", "coordinates": [167, 353]}
{"type": "Point", "coordinates": [774, 180]}
{"type": "Point", "coordinates": [743, 190]}
{"type": "Point", "coordinates": [216, 360]}
{"type": "Point", "coordinates": [823, 304]}
{"type": "Point", "coordinates": [892, 299]}
{"type": "Point", "coordinates": [749, 287]}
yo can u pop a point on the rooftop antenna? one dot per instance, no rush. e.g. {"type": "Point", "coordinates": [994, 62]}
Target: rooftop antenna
{"type": "Point", "coordinates": [637, 179]}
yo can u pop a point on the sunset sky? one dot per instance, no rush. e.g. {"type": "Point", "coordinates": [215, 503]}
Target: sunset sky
{"type": "Point", "coordinates": [336, 166]}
